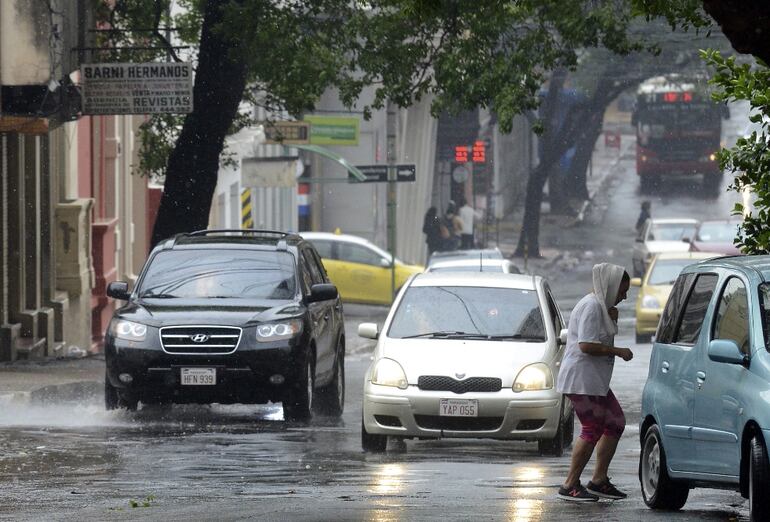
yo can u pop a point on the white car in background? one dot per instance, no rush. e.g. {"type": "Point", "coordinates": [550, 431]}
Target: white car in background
{"type": "Point", "coordinates": [659, 236]}
{"type": "Point", "coordinates": [468, 355]}
{"type": "Point", "coordinates": [503, 266]}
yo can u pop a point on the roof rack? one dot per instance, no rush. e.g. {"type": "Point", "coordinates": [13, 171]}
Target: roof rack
{"type": "Point", "coordinates": [245, 231]}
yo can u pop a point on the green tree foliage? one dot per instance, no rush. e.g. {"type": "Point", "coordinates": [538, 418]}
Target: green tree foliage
{"type": "Point", "coordinates": [749, 159]}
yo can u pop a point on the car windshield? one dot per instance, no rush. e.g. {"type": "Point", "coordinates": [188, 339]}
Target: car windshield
{"type": "Point", "coordinates": [723, 232]}
{"type": "Point", "coordinates": [502, 313]}
{"type": "Point", "coordinates": [665, 271]}
{"type": "Point", "coordinates": [240, 274]}
{"type": "Point", "coordinates": [671, 231]}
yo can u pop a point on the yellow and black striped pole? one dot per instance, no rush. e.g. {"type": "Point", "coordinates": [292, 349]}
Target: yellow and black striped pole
{"type": "Point", "coordinates": [247, 221]}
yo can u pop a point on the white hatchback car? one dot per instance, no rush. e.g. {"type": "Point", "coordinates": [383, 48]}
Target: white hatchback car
{"type": "Point", "coordinates": [468, 355]}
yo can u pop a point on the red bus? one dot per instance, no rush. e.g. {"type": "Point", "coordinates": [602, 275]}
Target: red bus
{"type": "Point", "coordinates": [678, 132]}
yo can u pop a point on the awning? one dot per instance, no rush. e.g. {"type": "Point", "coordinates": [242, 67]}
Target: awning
{"type": "Point", "coordinates": [23, 124]}
{"type": "Point", "coordinates": [326, 153]}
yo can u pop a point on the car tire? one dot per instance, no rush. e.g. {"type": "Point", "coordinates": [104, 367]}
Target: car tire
{"type": "Point", "coordinates": [111, 400]}
{"type": "Point", "coordinates": [643, 338]}
{"type": "Point", "coordinates": [759, 479]}
{"type": "Point", "coordinates": [659, 491]}
{"type": "Point", "coordinates": [712, 184]}
{"type": "Point", "coordinates": [330, 400]}
{"type": "Point", "coordinates": [555, 447]}
{"type": "Point", "coordinates": [115, 399]}
{"type": "Point", "coordinates": [648, 183]}
{"type": "Point", "coordinates": [298, 401]}
{"type": "Point", "coordinates": [569, 430]}
{"type": "Point", "coordinates": [371, 442]}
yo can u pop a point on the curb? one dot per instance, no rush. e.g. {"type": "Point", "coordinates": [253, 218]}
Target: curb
{"type": "Point", "coordinates": [604, 182]}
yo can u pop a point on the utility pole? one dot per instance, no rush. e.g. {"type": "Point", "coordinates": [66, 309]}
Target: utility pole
{"type": "Point", "coordinates": [390, 127]}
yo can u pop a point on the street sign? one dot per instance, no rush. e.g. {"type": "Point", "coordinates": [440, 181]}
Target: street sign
{"type": "Point", "coordinates": [286, 132]}
{"type": "Point", "coordinates": [136, 88]}
{"type": "Point", "coordinates": [333, 130]}
{"type": "Point", "coordinates": [379, 173]}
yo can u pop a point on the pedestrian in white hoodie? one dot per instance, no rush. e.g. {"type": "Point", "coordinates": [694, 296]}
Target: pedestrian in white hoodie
{"type": "Point", "coordinates": [584, 377]}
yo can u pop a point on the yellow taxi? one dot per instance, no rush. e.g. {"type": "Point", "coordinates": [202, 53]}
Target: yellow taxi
{"type": "Point", "coordinates": [656, 286]}
{"type": "Point", "coordinates": [359, 269]}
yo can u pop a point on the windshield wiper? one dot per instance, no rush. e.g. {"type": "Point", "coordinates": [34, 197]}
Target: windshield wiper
{"type": "Point", "coordinates": [434, 335]}
{"type": "Point", "coordinates": [517, 337]}
{"type": "Point", "coordinates": [158, 296]}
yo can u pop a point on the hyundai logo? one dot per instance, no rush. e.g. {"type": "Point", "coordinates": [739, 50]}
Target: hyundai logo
{"type": "Point", "coordinates": [199, 338]}
{"type": "Point", "coordinates": [460, 375]}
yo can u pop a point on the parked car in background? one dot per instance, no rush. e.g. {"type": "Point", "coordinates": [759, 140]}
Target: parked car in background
{"type": "Point", "coordinates": [474, 265]}
{"type": "Point", "coordinates": [716, 236]}
{"type": "Point", "coordinates": [655, 287]}
{"type": "Point", "coordinates": [468, 355]}
{"type": "Point", "coordinates": [705, 418]}
{"type": "Point", "coordinates": [473, 253]}
{"type": "Point", "coordinates": [360, 269]}
{"type": "Point", "coordinates": [228, 316]}
{"type": "Point", "coordinates": [658, 236]}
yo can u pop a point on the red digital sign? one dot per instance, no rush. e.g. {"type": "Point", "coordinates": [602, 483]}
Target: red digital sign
{"type": "Point", "coordinates": [479, 152]}
{"type": "Point", "coordinates": [673, 97]}
{"type": "Point", "coordinates": [461, 154]}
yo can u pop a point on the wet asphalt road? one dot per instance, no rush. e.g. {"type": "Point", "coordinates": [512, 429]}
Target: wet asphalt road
{"type": "Point", "coordinates": [65, 461]}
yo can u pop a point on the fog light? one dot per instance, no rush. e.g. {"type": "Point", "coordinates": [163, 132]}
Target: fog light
{"type": "Point", "coordinates": [125, 378]}
{"type": "Point", "coordinates": [277, 379]}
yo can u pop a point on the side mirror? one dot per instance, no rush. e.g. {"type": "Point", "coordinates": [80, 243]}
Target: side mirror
{"type": "Point", "coordinates": [563, 337]}
{"type": "Point", "coordinates": [636, 281]}
{"type": "Point", "coordinates": [118, 290]}
{"type": "Point", "coordinates": [685, 240]}
{"type": "Point", "coordinates": [385, 263]}
{"type": "Point", "coordinates": [639, 239]}
{"type": "Point", "coordinates": [726, 351]}
{"type": "Point", "coordinates": [322, 292]}
{"type": "Point", "coordinates": [368, 330]}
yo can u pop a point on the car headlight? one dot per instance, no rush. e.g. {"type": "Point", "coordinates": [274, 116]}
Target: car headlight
{"type": "Point", "coordinates": [533, 377]}
{"type": "Point", "coordinates": [128, 330]}
{"type": "Point", "coordinates": [650, 301]}
{"type": "Point", "coordinates": [388, 372]}
{"type": "Point", "coordinates": [269, 332]}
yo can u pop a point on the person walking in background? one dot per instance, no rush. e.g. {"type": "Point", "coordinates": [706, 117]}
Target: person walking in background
{"type": "Point", "coordinates": [431, 227]}
{"type": "Point", "coordinates": [584, 378]}
{"type": "Point", "coordinates": [468, 216]}
{"type": "Point", "coordinates": [454, 226]}
{"type": "Point", "coordinates": [644, 215]}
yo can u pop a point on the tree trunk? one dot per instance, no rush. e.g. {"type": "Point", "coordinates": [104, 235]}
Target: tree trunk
{"type": "Point", "coordinates": [584, 149]}
{"type": "Point", "coordinates": [529, 245]}
{"type": "Point", "coordinates": [191, 174]}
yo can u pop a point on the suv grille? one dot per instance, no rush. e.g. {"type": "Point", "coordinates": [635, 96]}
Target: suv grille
{"type": "Point", "coordinates": [200, 339]}
{"type": "Point", "coordinates": [472, 384]}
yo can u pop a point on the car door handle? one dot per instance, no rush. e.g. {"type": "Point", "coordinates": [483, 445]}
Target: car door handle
{"type": "Point", "coordinates": [701, 376]}
{"type": "Point", "coordinates": [664, 367]}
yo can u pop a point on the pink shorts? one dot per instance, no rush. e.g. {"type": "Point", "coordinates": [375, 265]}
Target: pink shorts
{"type": "Point", "coordinates": [598, 416]}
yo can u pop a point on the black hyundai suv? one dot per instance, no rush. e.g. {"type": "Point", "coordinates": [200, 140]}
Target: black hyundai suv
{"type": "Point", "coordinates": [229, 316]}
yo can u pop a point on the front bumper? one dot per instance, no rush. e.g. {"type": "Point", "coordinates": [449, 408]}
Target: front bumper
{"type": "Point", "coordinates": [241, 377]}
{"type": "Point", "coordinates": [647, 320]}
{"type": "Point", "coordinates": [501, 415]}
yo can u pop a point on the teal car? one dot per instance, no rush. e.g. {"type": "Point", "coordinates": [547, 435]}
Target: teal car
{"type": "Point", "coordinates": [706, 404]}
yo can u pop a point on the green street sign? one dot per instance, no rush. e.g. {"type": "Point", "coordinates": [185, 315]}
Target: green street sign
{"type": "Point", "coordinates": [333, 130]}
